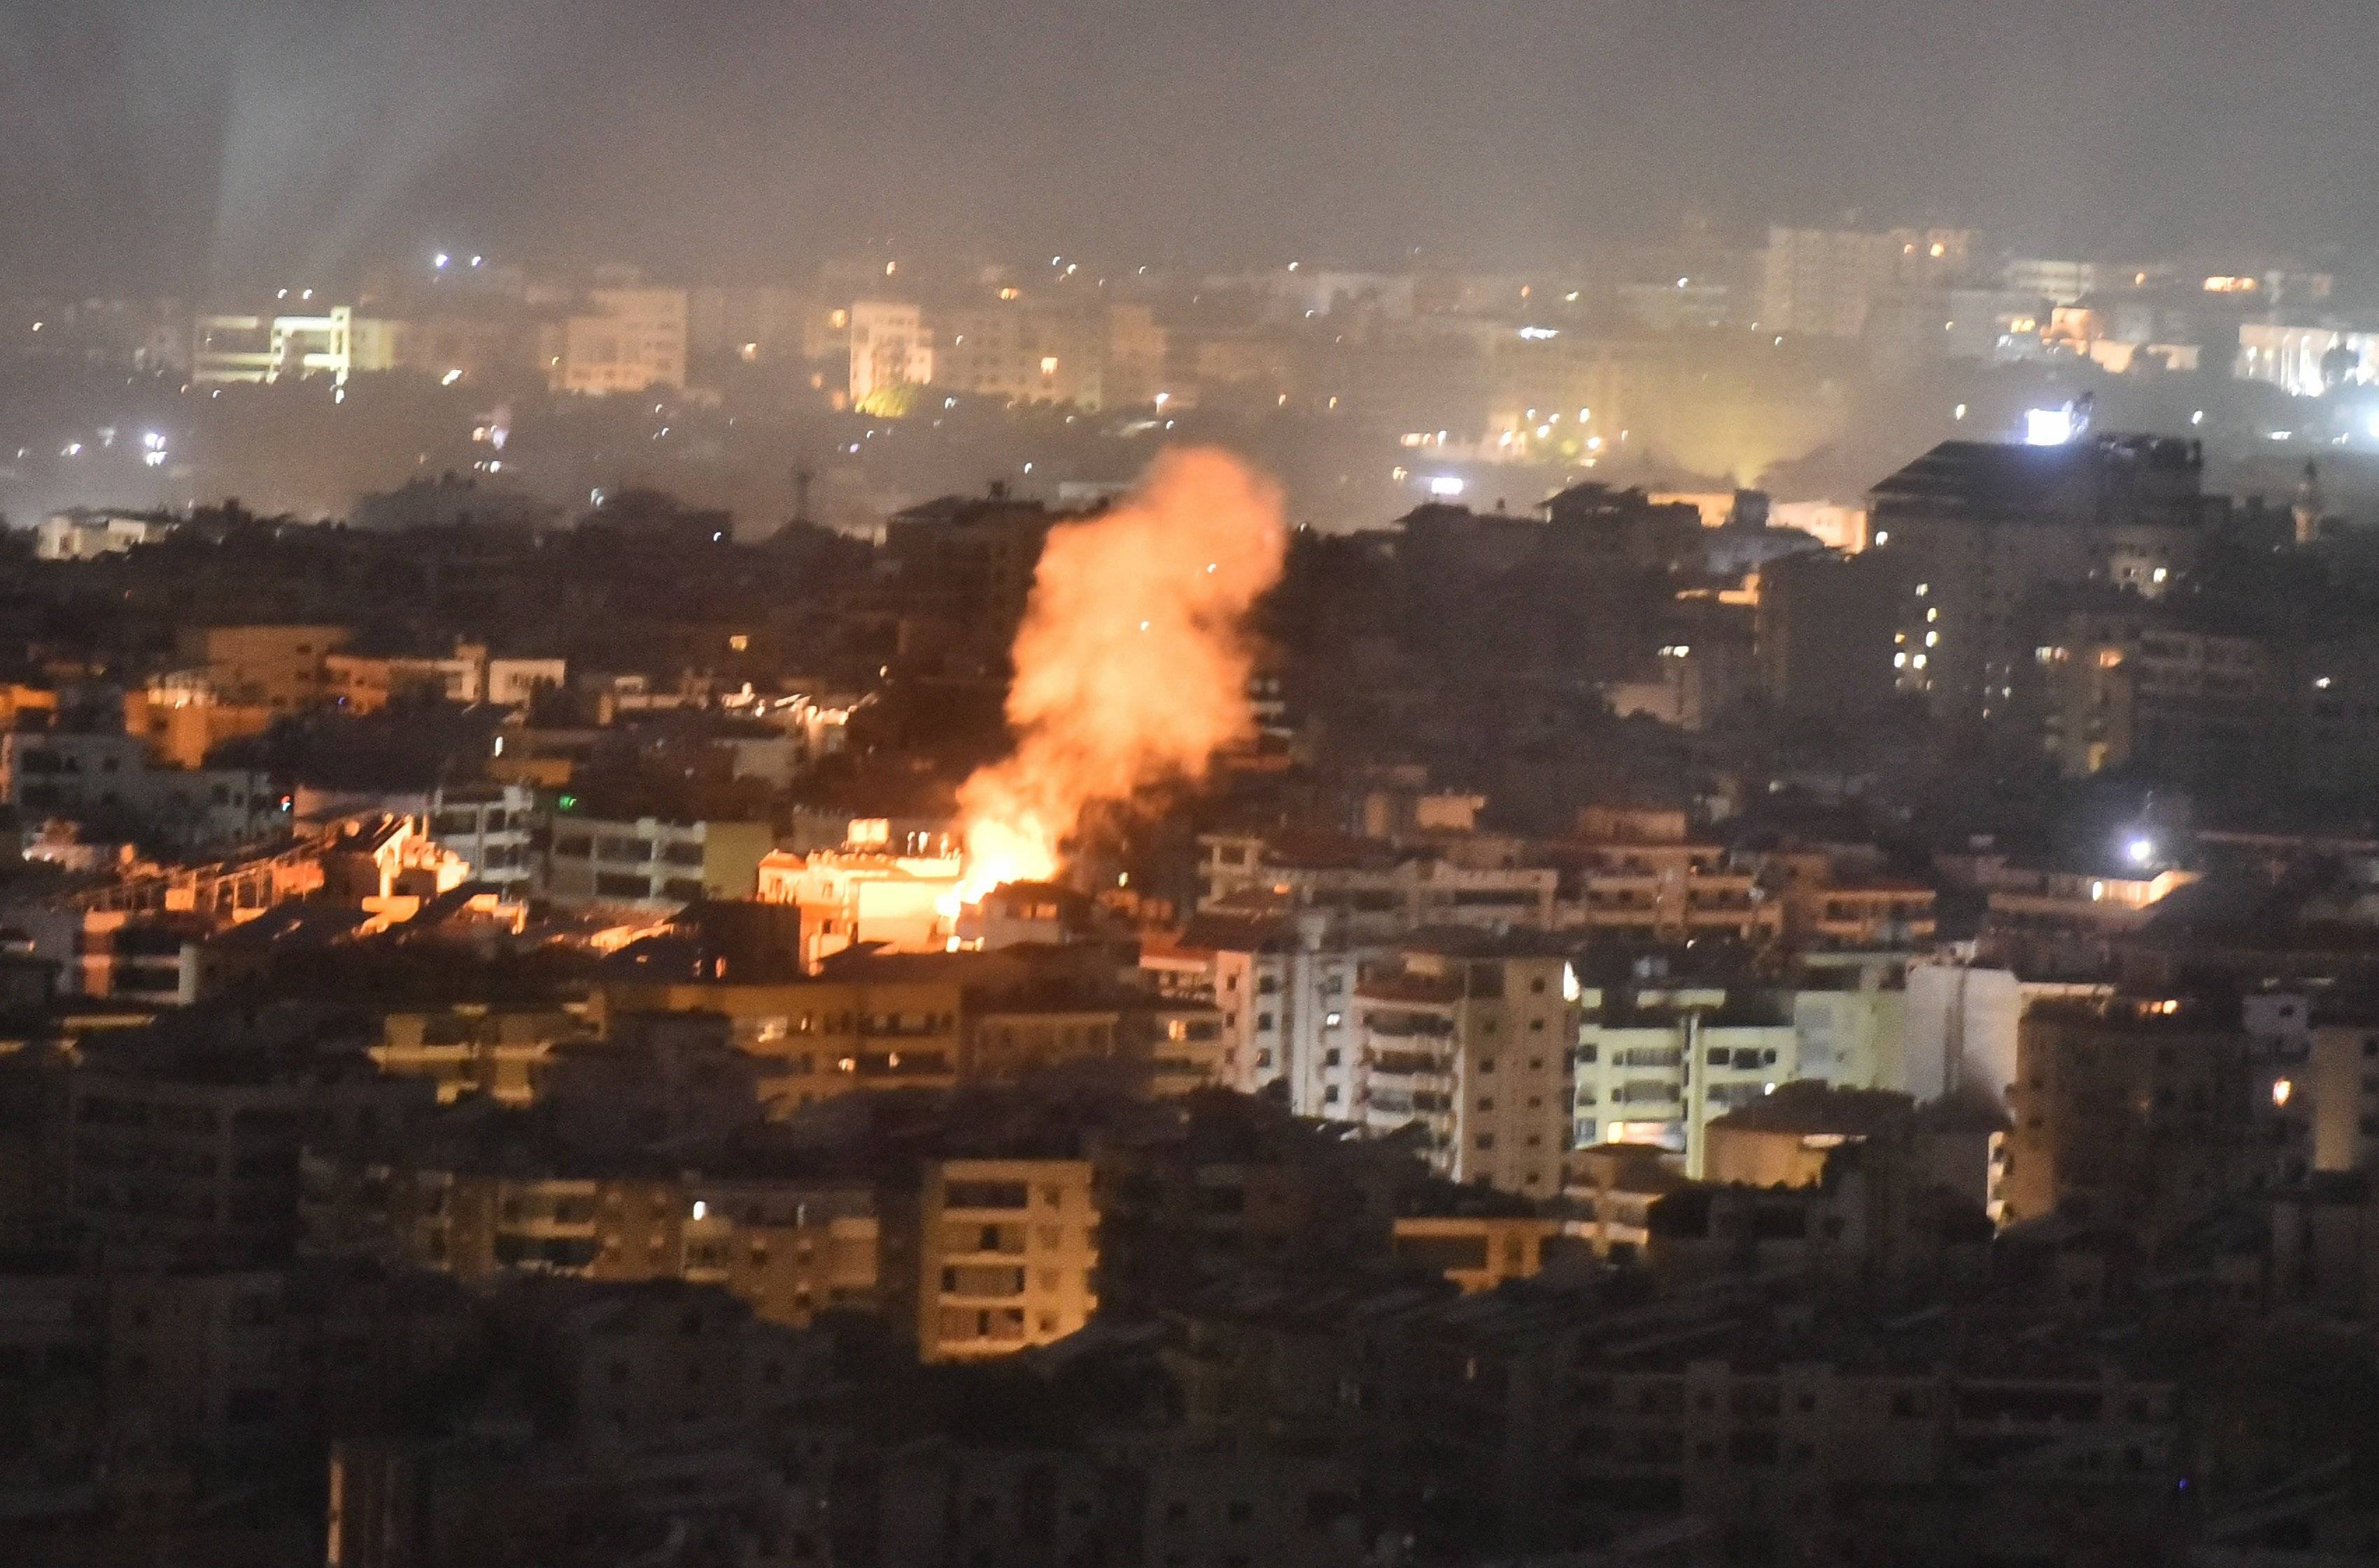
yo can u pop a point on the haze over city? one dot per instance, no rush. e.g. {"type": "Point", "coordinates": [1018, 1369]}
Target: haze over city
{"type": "Point", "coordinates": [1188, 785]}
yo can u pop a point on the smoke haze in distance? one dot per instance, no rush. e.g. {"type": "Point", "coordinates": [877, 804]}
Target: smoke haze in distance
{"type": "Point", "coordinates": [204, 141]}
{"type": "Point", "coordinates": [1133, 662]}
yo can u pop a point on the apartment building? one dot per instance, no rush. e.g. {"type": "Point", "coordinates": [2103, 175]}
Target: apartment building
{"type": "Point", "coordinates": [1468, 1043]}
{"type": "Point", "coordinates": [76, 775]}
{"type": "Point", "coordinates": [475, 1049]}
{"type": "Point", "coordinates": [280, 667]}
{"type": "Point", "coordinates": [625, 339]}
{"type": "Point", "coordinates": [194, 1149]}
{"type": "Point", "coordinates": [987, 1257]}
{"type": "Point", "coordinates": [2341, 1080]}
{"type": "Point", "coordinates": [1022, 352]}
{"type": "Point", "coordinates": [1657, 1064]}
{"type": "Point", "coordinates": [492, 826]}
{"type": "Point", "coordinates": [816, 1039]}
{"type": "Point", "coordinates": [1640, 876]}
{"type": "Point", "coordinates": [486, 1202]}
{"type": "Point", "coordinates": [1283, 988]}
{"type": "Point", "coordinates": [850, 897]}
{"type": "Point", "coordinates": [1377, 891]}
{"type": "Point", "coordinates": [649, 864]}
{"type": "Point", "coordinates": [2137, 1108]}
{"type": "Point", "coordinates": [891, 351]}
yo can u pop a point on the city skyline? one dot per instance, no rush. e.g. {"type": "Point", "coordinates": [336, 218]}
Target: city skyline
{"type": "Point", "coordinates": [182, 145]}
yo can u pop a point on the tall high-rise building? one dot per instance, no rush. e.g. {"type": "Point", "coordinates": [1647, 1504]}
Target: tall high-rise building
{"type": "Point", "coordinates": [1984, 531]}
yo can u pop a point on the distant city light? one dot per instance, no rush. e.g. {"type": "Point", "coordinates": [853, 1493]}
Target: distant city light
{"type": "Point", "coordinates": [2141, 851]}
{"type": "Point", "coordinates": [1445, 485]}
{"type": "Point", "coordinates": [1538, 334]}
{"type": "Point", "coordinates": [441, 261]}
{"type": "Point", "coordinates": [2282, 1091]}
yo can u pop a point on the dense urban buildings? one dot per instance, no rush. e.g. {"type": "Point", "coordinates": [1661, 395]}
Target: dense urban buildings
{"type": "Point", "coordinates": [1702, 892]}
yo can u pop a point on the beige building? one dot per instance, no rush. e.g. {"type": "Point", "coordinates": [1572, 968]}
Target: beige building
{"type": "Point", "coordinates": [1640, 874]}
{"type": "Point", "coordinates": [652, 865]}
{"type": "Point", "coordinates": [626, 340]}
{"type": "Point", "coordinates": [1475, 1251]}
{"type": "Point", "coordinates": [788, 1249]}
{"type": "Point", "coordinates": [1022, 352]}
{"type": "Point", "coordinates": [474, 1049]}
{"type": "Point", "coordinates": [848, 896]}
{"type": "Point", "coordinates": [817, 1039]}
{"type": "Point", "coordinates": [281, 668]}
{"type": "Point", "coordinates": [182, 724]}
{"type": "Point", "coordinates": [2342, 1074]}
{"type": "Point", "coordinates": [997, 1255]}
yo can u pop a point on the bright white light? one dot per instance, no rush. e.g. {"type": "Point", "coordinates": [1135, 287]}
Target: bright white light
{"type": "Point", "coordinates": [2140, 851]}
{"type": "Point", "coordinates": [1538, 334]}
{"type": "Point", "coordinates": [450, 378]}
{"type": "Point", "coordinates": [1958, 412]}
{"type": "Point", "coordinates": [2282, 1090]}
{"type": "Point", "coordinates": [1445, 485]}
{"type": "Point", "coordinates": [441, 261]}
{"type": "Point", "coordinates": [701, 1210]}
{"type": "Point", "coordinates": [2048, 427]}
{"type": "Point", "coordinates": [2198, 417]}
{"type": "Point", "coordinates": [478, 260]}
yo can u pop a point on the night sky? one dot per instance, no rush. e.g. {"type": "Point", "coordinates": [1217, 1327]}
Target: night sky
{"type": "Point", "coordinates": [182, 143]}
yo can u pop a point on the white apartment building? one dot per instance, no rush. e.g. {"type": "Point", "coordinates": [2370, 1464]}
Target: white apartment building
{"type": "Point", "coordinates": [76, 775]}
{"type": "Point", "coordinates": [1961, 1023]}
{"type": "Point", "coordinates": [1284, 987]}
{"type": "Point", "coordinates": [259, 349]}
{"type": "Point", "coordinates": [1657, 1066]}
{"type": "Point", "coordinates": [82, 534]}
{"type": "Point", "coordinates": [493, 827]}
{"type": "Point", "coordinates": [1469, 1043]}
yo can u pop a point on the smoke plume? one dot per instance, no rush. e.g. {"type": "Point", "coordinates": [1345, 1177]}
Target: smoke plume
{"type": "Point", "coordinates": [1131, 663]}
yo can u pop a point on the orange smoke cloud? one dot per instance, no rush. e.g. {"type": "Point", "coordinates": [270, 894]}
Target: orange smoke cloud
{"type": "Point", "coordinates": [1131, 664]}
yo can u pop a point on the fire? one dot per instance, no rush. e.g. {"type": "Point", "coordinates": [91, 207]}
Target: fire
{"type": "Point", "coordinates": [1132, 661]}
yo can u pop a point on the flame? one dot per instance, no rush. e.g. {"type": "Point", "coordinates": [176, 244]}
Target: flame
{"type": "Point", "coordinates": [1131, 663]}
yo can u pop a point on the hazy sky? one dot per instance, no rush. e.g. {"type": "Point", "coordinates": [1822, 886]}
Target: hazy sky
{"type": "Point", "coordinates": [181, 141]}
